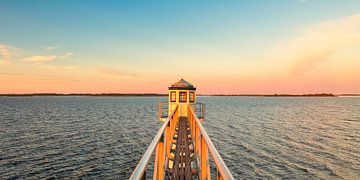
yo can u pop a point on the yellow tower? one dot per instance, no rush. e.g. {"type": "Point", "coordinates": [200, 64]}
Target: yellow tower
{"type": "Point", "coordinates": [181, 93]}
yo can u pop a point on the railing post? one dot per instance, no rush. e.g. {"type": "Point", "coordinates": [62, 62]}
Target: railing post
{"type": "Point", "coordinates": [193, 127]}
{"type": "Point", "coordinates": [167, 140]}
{"type": "Point", "coordinates": [156, 163]}
{"type": "Point", "coordinates": [205, 169]}
{"type": "Point", "coordinates": [159, 160]}
{"type": "Point", "coordinates": [172, 127]}
{"type": "Point", "coordinates": [197, 140]}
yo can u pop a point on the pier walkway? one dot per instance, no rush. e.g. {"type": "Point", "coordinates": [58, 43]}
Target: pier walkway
{"type": "Point", "coordinates": [183, 150]}
{"type": "Point", "coordinates": [181, 147]}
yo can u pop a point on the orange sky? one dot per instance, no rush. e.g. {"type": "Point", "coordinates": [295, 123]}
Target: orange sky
{"type": "Point", "coordinates": [319, 57]}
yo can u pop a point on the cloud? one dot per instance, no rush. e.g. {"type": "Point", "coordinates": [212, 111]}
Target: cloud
{"type": "Point", "coordinates": [41, 58]}
{"type": "Point", "coordinates": [114, 72]}
{"type": "Point", "coordinates": [50, 48]}
{"type": "Point", "coordinates": [66, 55]}
{"type": "Point", "coordinates": [6, 53]}
{"type": "Point", "coordinates": [64, 67]}
{"type": "Point", "coordinates": [317, 44]}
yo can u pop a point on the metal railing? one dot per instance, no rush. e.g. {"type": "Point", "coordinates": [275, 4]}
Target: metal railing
{"type": "Point", "coordinates": [200, 111]}
{"type": "Point", "coordinates": [203, 145]}
{"type": "Point", "coordinates": [140, 170]}
{"type": "Point", "coordinates": [163, 110]}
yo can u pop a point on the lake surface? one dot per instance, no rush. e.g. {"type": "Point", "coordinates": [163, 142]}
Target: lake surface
{"type": "Point", "coordinates": [105, 137]}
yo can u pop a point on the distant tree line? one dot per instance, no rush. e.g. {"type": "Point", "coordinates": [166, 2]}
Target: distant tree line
{"type": "Point", "coordinates": [155, 94]}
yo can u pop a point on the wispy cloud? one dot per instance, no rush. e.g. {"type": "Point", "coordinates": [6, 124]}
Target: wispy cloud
{"type": "Point", "coordinates": [64, 67]}
{"type": "Point", "coordinates": [318, 43]}
{"type": "Point", "coordinates": [6, 53]}
{"type": "Point", "coordinates": [66, 55]}
{"type": "Point", "coordinates": [41, 58]}
{"type": "Point", "coordinates": [114, 72]}
{"type": "Point", "coordinates": [50, 48]}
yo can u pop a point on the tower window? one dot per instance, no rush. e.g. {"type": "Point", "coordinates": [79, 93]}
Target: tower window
{"type": "Point", "coordinates": [192, 96]}
{"type": "Point", "coordinates": [182, 97]}
{"type": "Point", "coordinates": [172, 96]}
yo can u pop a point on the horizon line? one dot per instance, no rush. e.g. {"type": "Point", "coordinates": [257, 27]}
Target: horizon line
{"type": "Point", "coordinates": [165, 94]}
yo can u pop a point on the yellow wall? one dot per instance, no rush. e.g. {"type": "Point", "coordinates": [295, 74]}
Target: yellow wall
{"type": "Point", "coordinates": [182, 105]}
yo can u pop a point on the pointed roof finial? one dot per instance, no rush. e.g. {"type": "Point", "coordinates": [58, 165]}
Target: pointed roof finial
{"type": "Point", "coordinates": [182, 85]}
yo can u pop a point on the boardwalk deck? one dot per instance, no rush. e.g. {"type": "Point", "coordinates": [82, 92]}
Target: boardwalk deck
{"type": "Point", "coordinates": [181, 147]}
{"type": "Point", "coordinates": [184, 162]}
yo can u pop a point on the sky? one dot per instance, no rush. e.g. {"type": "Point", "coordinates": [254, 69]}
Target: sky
{"type": "Point", "coordinates": [222, 47]}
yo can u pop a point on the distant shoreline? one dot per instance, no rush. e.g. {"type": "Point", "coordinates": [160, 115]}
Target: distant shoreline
{"type": "Point", "coordinates": [88, 94]}
{"type": "Point", "coordinates": [156, 95]}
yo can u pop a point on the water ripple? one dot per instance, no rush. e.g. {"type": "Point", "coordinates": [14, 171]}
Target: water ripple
{"type": "Point", "coordinates": [105, 137]}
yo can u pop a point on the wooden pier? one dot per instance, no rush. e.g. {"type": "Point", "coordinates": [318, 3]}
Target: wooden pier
{"type": "Point", "coordinates": [184, 160]}
{"type": "Point", "coordinates": [181, 146]}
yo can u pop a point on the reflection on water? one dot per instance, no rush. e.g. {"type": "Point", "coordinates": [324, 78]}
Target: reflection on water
{"type": "Point", "coordinates": [105, 137]}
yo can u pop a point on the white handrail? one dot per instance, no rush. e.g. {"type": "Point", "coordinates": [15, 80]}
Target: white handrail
{"type": "Point", "coordinates": [141, 167]}
{"type": "Point", "coordinates": [221, 166]}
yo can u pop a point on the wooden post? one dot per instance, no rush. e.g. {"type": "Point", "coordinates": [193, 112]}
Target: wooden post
{"type": "Point", "coordinates": [193, 128]}
{"type": "Point", "coordinates": [167, 140]}
{"type": "Point", "coordinates": [156, 164]}
{"type": "Point", "coordinates": [205, 168]}
{"type": "Point", "coordinates": [159, 160]}
{"type": "Point", "coordinates": [197, 142]}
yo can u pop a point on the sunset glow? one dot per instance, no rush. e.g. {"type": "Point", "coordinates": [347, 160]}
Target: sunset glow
{"type": "Point", "coordinates": [230, 47]}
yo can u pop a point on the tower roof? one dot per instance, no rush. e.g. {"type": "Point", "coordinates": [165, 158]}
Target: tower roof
{"type": "Point", "coordinates": [182, 85]}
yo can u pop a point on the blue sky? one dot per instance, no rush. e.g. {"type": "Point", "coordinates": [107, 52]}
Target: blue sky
{"type": "Point", "coordinates": [132, 34]}
{"type": "Point", "coordinates": [112, 25]}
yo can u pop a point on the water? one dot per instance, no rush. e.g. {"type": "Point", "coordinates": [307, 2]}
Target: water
{"type": "Point", "coordinates": [105, 137]}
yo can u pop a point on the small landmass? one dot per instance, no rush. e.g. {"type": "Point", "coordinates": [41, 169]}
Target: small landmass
{"type": "Point", "coordinates": [281, 95]}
